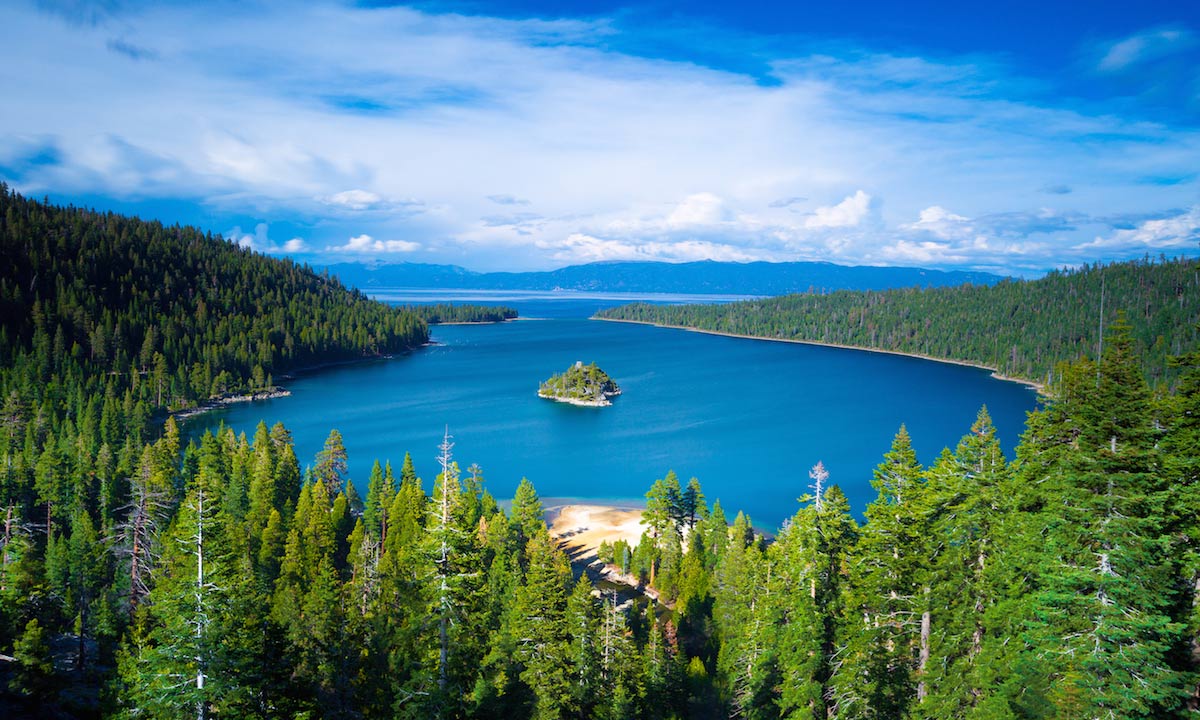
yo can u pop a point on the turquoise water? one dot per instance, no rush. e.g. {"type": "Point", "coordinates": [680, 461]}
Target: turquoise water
{"type": "Point", "coordinates": [747, 417]}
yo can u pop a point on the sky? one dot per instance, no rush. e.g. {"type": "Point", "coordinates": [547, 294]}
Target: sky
{"type": "Point", "coordinates": [1013, 137]}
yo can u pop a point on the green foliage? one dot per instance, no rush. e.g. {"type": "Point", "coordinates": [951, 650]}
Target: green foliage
{"type": "Point", "coordinates": [582, 383]}
{"type": "Point", "coordinates": [170, 315]}
{"type": "Point", "coordinates": [440, 313]}
{"type": "Point", "coordinates": [143, 578]}
{"type": "Point", "coordinates": [1020, 328]}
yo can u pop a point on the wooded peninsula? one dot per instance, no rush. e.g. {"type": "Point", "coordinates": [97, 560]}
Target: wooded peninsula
{"type": "Point", "coordinates": [1019, 328]}
{"type": "Point", "coordinates": [145, 577]}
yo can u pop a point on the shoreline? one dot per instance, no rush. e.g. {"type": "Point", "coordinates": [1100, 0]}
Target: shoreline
{"type": "Point", "coordinates": [217, 403]}
{"type": "Point", "coordinates": [1032, 385]}
{"type": "Point", "coordinates": [605, 402]}
{"type": "Point", "coordinates": [472, 322]}
{"type": "Point", "coordinates": [279, 391]}
{"type": "Point", "coordinates": [579, 528]}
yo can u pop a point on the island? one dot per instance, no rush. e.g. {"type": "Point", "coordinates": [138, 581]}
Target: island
{"type": "Point", "coordinates": [585, 385]}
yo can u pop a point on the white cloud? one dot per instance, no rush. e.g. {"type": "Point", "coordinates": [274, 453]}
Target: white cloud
{"type": "Point", "coordinates": [1144, 46]}
{"type": "Point", "coordinates": [942, 223]}
{"type": "Point", "coordinates": [261, 241]}
{"type": "Point", "coordinates": [1178, 232]}
{"type": "Point", "coordinates": [630, 156]}
{"type": "Point", "coordinates": [925, 252]}
{"type": "Point", "coordinates": [582, 248]}
{"type": "Point", "coordinates": [503, 199]}
{"type": "Point", "coordinates": [367, 244]}
{"type": "Point", "coordinates": [848, 213]}
{"type": "Point", "coordinates": [354, 199]}
{"type": "Point", "coordinates": [700, 209]}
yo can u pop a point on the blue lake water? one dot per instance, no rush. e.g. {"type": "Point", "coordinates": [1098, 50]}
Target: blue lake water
{"type": "Point", "coordinates": [746, 417]}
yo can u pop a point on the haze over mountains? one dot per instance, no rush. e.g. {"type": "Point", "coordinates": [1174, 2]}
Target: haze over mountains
{"type": "Point", "coordinates": [756, 278]}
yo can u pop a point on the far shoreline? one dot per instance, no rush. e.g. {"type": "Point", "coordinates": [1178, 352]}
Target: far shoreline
{"type": "Point", "coordinates": [1032, 385]}
{"type": "Point", "coordinates": [472, 322]}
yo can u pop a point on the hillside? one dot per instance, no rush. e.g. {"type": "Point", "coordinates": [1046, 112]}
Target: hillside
{"type": "Point", "coordinates": [214, 578]}
{"type": "Point", "coordinates": [1020, 328]}
{"type": "Point", "coordinates": [98, 307]}
{"type": "Point", "coordinates": [756, 278]}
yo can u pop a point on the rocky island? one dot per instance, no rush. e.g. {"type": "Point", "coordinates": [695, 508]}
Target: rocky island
{"type": "Point", "coordinates": [585, 385]}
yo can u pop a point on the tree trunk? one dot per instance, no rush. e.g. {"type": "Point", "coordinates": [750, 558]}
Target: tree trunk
{"type": "Point", "coordinates": [923, 654]}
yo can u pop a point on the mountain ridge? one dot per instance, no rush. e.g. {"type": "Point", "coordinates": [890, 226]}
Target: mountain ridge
{"type": "Point", "coordinates": [705, 276]}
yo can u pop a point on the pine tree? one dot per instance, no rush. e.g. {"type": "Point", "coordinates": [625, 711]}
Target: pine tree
{"type": "Point", "coordinates": [808, 565]}
{"type": "Point", "coordinates": [1103, 623]}
{"type": "Point", "coordinates": [1181, 468]}
{"type": "Point", "coordinates": [963, 492]}
{"type": "Point", "coordinates": [742, 611]}
{"type": "Point", "coordinates": [330, 467]}
{"type": "Point", "coordinates": [167, 670]}
{"type": "Point", "coordinates": [882, 621]}
{"type": "Point", "coordinates": [583, 625]}
{"type": "Point", "coordinates": [543, 640]}
{"type": "Point", "coordinates": [527, 515]}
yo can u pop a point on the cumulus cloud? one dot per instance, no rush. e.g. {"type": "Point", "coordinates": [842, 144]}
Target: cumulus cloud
{"type": "Point", "coordinates": [260, 241]}
{"type": "Point", "coordinates": [367, 244]}
{"type": "Point", "coordinates": [697, 210]}
{"type": "Point", "coordinates": [942, 223]}
{"type": "Point", "coordinates": [848, 213]}
{"type": "Point", "coordinates": [630, 156]}
{"type": "Point", "coordinates": [1176, 232]}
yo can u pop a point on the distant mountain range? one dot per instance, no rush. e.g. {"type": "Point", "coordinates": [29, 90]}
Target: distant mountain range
{"type": "Point", "coordinates": [756, 278]}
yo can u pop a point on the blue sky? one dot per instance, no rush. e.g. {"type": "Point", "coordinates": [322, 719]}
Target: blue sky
{"type": "Point", "coordinates": [1012, 137]}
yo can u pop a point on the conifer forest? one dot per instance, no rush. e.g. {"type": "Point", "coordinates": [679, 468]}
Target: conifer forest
{"type": "Point", "coordinates": [145, 576]}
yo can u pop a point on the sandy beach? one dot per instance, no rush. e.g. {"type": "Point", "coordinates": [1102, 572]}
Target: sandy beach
{"type": "Point", "coordinates": [581, 528]}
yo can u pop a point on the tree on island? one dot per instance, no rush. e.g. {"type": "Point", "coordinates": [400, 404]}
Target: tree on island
{"type": "Point", "coordinates": [580, 385]}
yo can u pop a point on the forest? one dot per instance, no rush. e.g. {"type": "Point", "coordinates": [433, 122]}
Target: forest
{"type": "Point", "coordinates": [145, 577]}
{"type": "Point", "coordinates": [438, 313]}
{"type": "Point", "coordinates": [112, 320]}
{"type": "Point", "coordinates": [1020, 328]}
{"type": "Point", "coordinates": [223, 581]}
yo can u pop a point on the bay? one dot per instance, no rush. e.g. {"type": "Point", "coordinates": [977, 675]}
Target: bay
{"type": "Point", "coordinates": [749, 418]}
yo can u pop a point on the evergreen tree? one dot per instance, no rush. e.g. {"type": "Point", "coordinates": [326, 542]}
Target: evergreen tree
{"type": "Point", "coordinates": [330, 467]}
{"type": "Point", "coordinates": [809, 567]}
{"type": "Point", "coordinates": [1103, 624]}
{"type": "Point", "coordinates": [543, 637]}
{"type": "Point", "coordinates": [527, 515]}
{"type": "Point", "coordinates": [742, 612]}
{"type": "Point", "coordinates": [882, 622]}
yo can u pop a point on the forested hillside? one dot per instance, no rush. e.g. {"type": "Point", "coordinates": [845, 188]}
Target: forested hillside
{"type": "Point", "coordinates": [148, 579]}
{"type": "Point", "coordinates": [107, 318]}
{"type": "Point", "coordinates": [226, 583]}
{"type": "Point", "coordinates": [1020, 328]}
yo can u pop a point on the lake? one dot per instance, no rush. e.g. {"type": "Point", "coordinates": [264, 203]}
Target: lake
{"type": "Point", "coordinates": [746, 417]}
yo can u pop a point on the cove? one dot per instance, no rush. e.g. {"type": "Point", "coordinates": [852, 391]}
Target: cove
{"type": "Point", "coordinates": [746, 417]}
